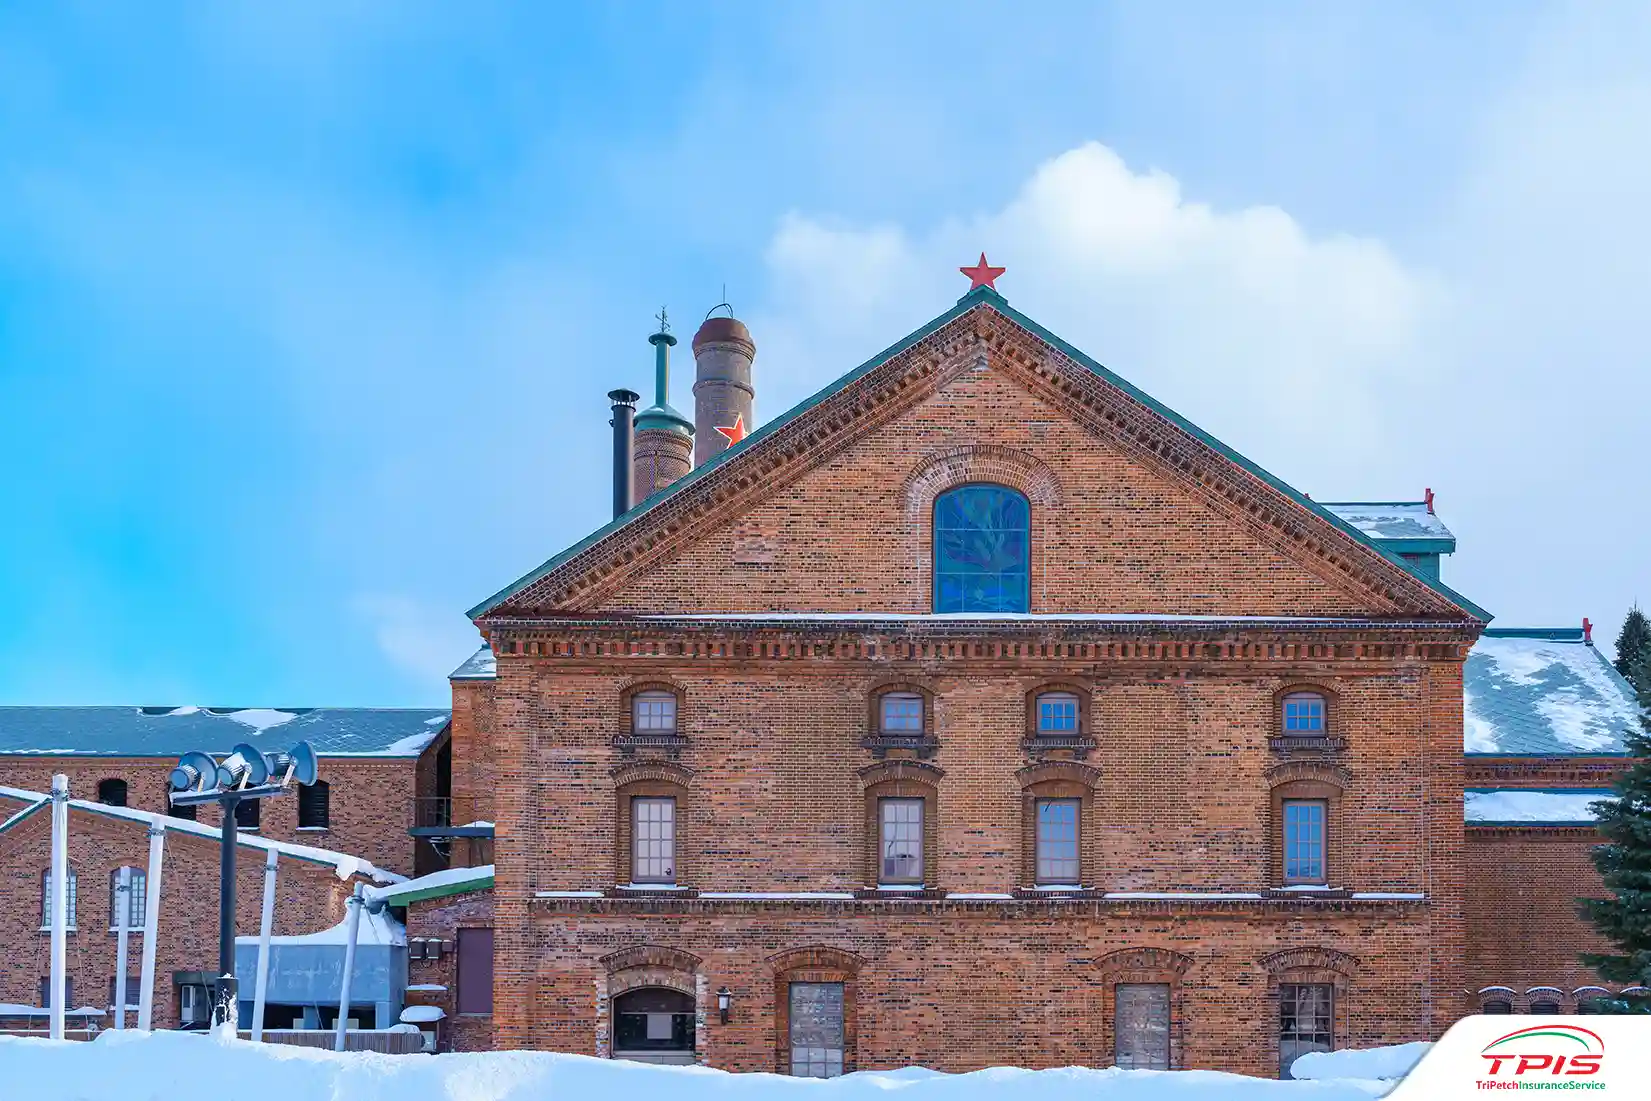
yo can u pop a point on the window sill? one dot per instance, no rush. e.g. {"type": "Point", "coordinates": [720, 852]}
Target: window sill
{"type": "Point", "coordinates": [1062, 891]}
{"type": "Point", "coordinates": [924, 745]}
{"type": "Point", "coordinates": [313, 829]}
{"type": "Point", "coordinates": [1308, 891]}
{"type": "Point", "coordinates": [1322, 743]}
{"type": "Point", "coordinates": [134, 930]}
{"type": "Point", "coordinates": [70, 929]}
{"type": "Point", "coordinates": [651, 890]}
{"type": "Point", "coordinates": [900, 891]}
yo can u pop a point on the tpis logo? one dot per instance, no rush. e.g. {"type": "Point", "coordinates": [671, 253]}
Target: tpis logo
{"type": "Point", "coordinates": [1544, 1050]}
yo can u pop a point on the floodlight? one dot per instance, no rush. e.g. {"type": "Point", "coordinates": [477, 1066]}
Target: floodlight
{"type": "Point", "coordinates": [244, 767]}
{"type": "Point", "coordinates": [195, 772]}
{"type": "Point", "coordinates": [300, 759]}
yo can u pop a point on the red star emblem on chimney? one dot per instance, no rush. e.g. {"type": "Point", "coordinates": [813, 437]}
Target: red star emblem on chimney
{"type": "Point", "coordinates": [735, 432]}
{"type": "Point", "coordinates": [983, 274]}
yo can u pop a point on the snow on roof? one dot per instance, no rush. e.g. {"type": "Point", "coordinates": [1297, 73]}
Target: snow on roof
{"type": "Point", "coordinates": [481, 665]}
{"type": "Point", "coordinates": [1544, 692]}
{"type": "Point", "coordinates": [379, 928]}
{"type": "Point", "coordinates": [173, 731]}
{"type": "Point", "coordinates": [1569, 807]}
{"type": "Point", "coordinates": [343, 864]}
{"type": "Point", "coordinates": [448, 881]}
{"type": "Point", "coordinates": [421, 1014]}
{"type": "Point", "coordinates": [1391, 520]}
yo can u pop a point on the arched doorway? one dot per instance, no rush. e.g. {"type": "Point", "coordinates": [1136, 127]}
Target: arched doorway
{"type": "Point", "coordinates": [653, 1024]}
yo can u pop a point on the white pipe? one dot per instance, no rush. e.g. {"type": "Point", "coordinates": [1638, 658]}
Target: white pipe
{"type": "Point", "coordinates": [123, 906]}
{"type": "Point", "coordinates": [60, 900]}
{"type": "Point", "coordinates": [151, 924]}
{"type": "Point", "coordinates": [264, 929]}
{"type": "Point", "coordinates": [354, 905]}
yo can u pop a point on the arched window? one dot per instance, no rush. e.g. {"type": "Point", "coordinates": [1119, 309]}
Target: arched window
{"type": "Point", "coordinates": [982, 550]}
{"type": "Point", "coordinates": [1304, 714]}
{"type": "Point", "coordinates": [314, 805]}
{"type": "Point", "coordinates": [111, 792]}
{"type": "Point", "coordinates": [134, 901]}
{"type": "Point", "coordinates": [653, 1024]}
{"type": "Point", "coordinates": [1545, 1007]}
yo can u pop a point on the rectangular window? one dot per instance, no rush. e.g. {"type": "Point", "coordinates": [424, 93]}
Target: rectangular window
{"type": "Point", "coordinates": [1304, 1022]}
{"type": "Point", "coordinates": [247, 814]}
{"type": "Point", "coordinates": [902, 713]}
{"type": "Point", "coordinates": [314, 805]}
{"type": "Point", "coordinates": [816, 1026]}
{"type": "Point", "coordinates": [1304, 841]}
{"type": "Point", "coordinates": [475, 967]}
{"type": "Point", "coordinates": [134, 901]}
{"type": "Point", "coordinates": [654, 713]}
{"type": "Point", "coordinates": [1057, 842]}
{"type": "Point", "coordinates": [46, 899]}
{"type": "Point", "coordinates": [653, 840]}
{"type": "Point", "coordinates": [133, 982]}
{"type": "Point", "coordinates": [46, 992]}
{"type": "Point", "coordinates": [1057, 713]}
{"type": "Point", "coordinates": [1304, 714]}
{"type": "Point", "coordinates": [901, 841]}
{"type": "Point", "coordinates": [1141, 1026]}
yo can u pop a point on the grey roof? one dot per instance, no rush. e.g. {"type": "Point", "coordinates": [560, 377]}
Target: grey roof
{"type": "Point", "coordinates": [172, 731]}
{"type": "Point", "coordinates": [1544, 692]}
{"type": "Point", "coordinates": [1399, 525]}
{"type": "Point", "coordinates": [481, 665]}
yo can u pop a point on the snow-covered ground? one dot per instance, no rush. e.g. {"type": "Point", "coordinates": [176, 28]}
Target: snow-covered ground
{"type": "Point", "coordinates": [163, 1066]}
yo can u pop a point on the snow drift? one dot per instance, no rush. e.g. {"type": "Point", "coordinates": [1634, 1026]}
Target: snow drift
{"type": "Point", "coordinates": [160, 1066]}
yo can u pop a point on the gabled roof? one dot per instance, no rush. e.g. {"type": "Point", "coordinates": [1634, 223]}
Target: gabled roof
{"type": "Point", "coordinates": [1543, 692]}
{"type": "Point", "coordinates": [173, 731]}
{"type": "Point", "coordinates": [981, 298]}
{"type": "Point", "coordinates": [1400, 526]}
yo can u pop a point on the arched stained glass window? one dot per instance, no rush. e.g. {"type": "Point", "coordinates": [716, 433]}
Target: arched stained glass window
{"type": "Point", "coordinates": [982, 550]}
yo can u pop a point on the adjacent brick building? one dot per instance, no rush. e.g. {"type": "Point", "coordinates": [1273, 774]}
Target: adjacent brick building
{"type": "Point", "coordinates": [981, 710]}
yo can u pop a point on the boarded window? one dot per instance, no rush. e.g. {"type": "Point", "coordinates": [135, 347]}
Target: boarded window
{"type": "Point", "coordinates": [314, 805]}
{"type": "Point", "coordinates": [475, 963]}
{"type": "Point", "coordinates": [1141, 1025]}
{"type": "Point", "coordinates": [1304, 1022]}
{"type": "Point", "coordinates": [817, 1032]}
{"type": "Point", "coordinates": [901, 841]}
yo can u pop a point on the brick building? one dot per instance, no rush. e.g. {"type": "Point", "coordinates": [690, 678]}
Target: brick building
{"type": "Point", "coordinates": [378, 813]}
{"type": "Point", "coordinates": [983, 710]}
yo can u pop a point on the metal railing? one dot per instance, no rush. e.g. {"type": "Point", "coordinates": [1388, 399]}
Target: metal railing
{"type": "Point", "coordinates": [441, 811]}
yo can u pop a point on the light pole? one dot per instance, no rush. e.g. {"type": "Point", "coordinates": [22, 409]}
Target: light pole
{"type": "Point", "coordinates": [244, 775]}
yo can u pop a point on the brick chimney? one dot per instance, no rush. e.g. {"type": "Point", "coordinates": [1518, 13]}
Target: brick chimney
{"type": "Point", "coordinates": [664, 437]}
{"type": "Point", "coordinates": [723, 394]}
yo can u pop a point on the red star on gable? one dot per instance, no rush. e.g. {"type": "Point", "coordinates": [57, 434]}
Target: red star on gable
{"type": "Point", "coordinates": [983, 274]}
{"type": "Point", "coordinates": [735, 432]}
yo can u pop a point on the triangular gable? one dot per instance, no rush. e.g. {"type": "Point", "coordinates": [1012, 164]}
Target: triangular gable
{"type": "Point", "coordinates": [1299, 526]}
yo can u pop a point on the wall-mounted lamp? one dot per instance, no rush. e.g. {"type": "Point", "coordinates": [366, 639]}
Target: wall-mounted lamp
{"type": "Point", "coordinates": [725, 998]}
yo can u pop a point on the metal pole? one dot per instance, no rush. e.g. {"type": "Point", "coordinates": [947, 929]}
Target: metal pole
{"type": "Point", "coordinates": [354, 904]}
{"type": "Point", "coordinates": [264, 924]}
{"type": "Point", "coordinates": [60, 900]}
{"type": "Point", "coordinates": [224, 1010]}
{"type": "Point", "coordinates": [123, 908]}
{"type": "Point", "coordinates": [151, 925]}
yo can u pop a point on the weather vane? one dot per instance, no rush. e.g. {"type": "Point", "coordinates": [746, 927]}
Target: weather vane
{"type": "Point", "coordinates": [664, 325]}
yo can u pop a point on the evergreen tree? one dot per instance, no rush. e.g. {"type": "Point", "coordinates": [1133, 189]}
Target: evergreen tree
{"type": "Point", "coordinates": [1634, 647]}
{"type": "Point", "coordinates": [1624, 863]}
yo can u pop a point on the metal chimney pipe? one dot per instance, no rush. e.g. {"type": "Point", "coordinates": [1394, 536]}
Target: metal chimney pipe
{"type": "Point", "coordinates": [624, 448]}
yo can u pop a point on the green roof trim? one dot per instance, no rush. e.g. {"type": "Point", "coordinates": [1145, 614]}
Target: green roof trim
{"type": "Point", "coordinates": [442, 890]}
{"type": "Point", "coordinates": [980, 296]}
{"type": "Point", "coordinates": [1552, 634]}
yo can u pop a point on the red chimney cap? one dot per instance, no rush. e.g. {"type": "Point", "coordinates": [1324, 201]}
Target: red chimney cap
{"type": "Point", "coordinates": [1587, 631]}
{"type": "Point", "coordinates": [725, 330]}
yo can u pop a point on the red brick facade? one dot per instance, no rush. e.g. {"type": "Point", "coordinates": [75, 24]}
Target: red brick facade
{"type": "Point", "coordinates": [776, 770]}
{"type": "Point", "coordinates": [311, 897]}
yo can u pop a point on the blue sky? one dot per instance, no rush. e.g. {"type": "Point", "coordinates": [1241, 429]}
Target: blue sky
{"type": "Point", "coordinates": [307, 310]}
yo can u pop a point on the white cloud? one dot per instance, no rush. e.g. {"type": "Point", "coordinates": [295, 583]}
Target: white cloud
{"type": "Point", "coordinates": [1240, 319]}
{"type": "Point", "coordinates": [424, 641]}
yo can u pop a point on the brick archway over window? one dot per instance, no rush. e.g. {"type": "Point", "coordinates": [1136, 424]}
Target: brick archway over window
{"type": "Point", "coordinates": [901, 779]}
{"type": "Point", "coordinates": [642, 966]}
{"type": "Point", "coordinates": [1314, 781]}
{"type": "Point", "coordinates": [1317, 966]}
{"type": "Point", "coordinates": [1129, 966]}
{"type": "Point", "coordinates": [817, 963]}
{"type": "Point", "coordinates": [645, 780]}
{"type": "Point", "coordinates": [979, 463]}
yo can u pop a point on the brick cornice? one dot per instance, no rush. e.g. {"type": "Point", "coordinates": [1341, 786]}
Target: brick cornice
{"type": "Point", "coordinates": [981, 335]}
{"type": "Point", "coordinates": [1078, 907]}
